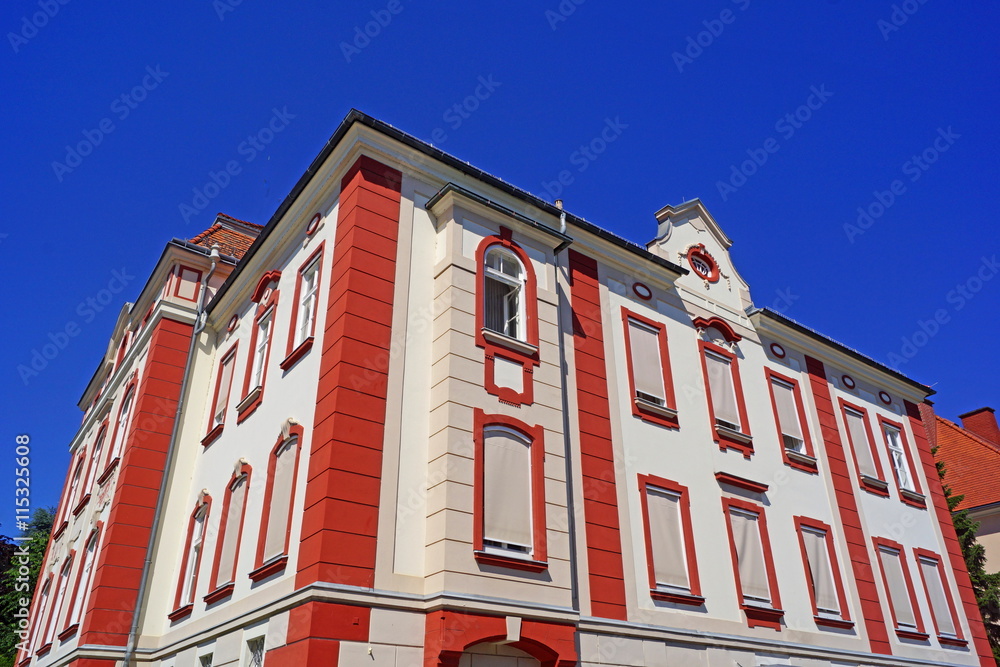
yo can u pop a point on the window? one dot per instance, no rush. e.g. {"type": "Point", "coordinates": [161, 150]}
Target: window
{"type": "Point", "coordinates": [939, 597]}
{"type": "Point", "coordinates": [504, 295]}
{"type": "Point", "coordinates": [862, 444]}
{"type": "Point", "coordinates": [193, 552]}
{"type": "Point", "coordinates": [510, 503]}
{"type": "Point", "coordinates": [307, 302]}
{"type": "Point", "coordinates": [83, 581]}
{"type": "Point", "coordinates": [38, 629]}
{"type": "Point", "coordinates": [263, 342]}
{"type": "Point", "coordinates": [57, 603]}
{"type": "Point", "coordinates": [121, 428]}
{"type": "Point", "coordinates": [826, 588]}
{"type": "Point", "coordinates": [255, 652]}
{"type": "Point", "coordinates": [720, 378]}
{"type": "Point", "coordinates": [903, 467]}
{"type": "Point", "coordinates": [74, 487]}
{"type": "Point", "coordinates": [279, 497]}
{"type": "Point", "coordinates": [223, 387]}
{"type": "Point", "coordinates": [670, 553]}
{"type": "Point", "coordinates": [899, 587]}
{"type": "Point", "coordinates": [725, 397]}
{"type": "Point", "coordinates": [227, 552]}
{"type": "Point", "coordinates": [205, 660]}
{"type": "Point", "coordinates": [95, 459]}
{"type": "Point", "coordinates": [649, 376]}
{"type": "Point", "coordinates": [751, 552]}
{"type": "Point", "coordinates": [266, 298]}
{"type": "Point", "coordinates": [790, 418]}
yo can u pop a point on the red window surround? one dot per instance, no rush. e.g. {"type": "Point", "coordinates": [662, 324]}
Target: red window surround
{"type": "Point", "coordinates": [519, 352]}
{"type": "Point", "coordinates": [878, 486]}
{"type": "Point", "coordinates": [724, 439]}
{"type": "Point", "coordinates": [42, 630]}
{"type": "Point", "coordinates": [182, 608]}
{"type": "Point", "coordinates": [292, 352]}
{"type": "Point", "coordinates": [694, 598]}
{"type": "Point", "coordinates": [536, 436]}
{"type": "Point", "coordinates": [797, 462]}
{"type": "Point", "coordinates": [958, 639]}
{"type": "Point", "coordinates": [261, 569]}
{"type": "Point", "coordinates": [223, 589]}
{"type": "Point", "coordinates": [266, 298]}
{"type": "Point", "coordinates": [113, 455]}
{"type": "Point", "coordinates": [180, 272]}
{"type": "Point", "coordinates": [642, 409]}
{"type": "Point", "coordinates": [919, 633]}
{"type": "Point", "coordinates": [71, 627]}
{"type": "Point", "coordinates": [756, 615]}
{"type": "Point", "coordinates": [913, 498]}
{"type": "Point", "coordinates": [845, 611]}
{"type": "Point", "coordinates": [215, 430]}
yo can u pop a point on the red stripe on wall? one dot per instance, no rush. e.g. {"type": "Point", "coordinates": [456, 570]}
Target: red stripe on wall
{"type": "Point", "coordinates": [112, 601]}
{"type": "Point", "coordinates": [600, 500]}
{"type": "Point", "coordinates": [967, 595]}
{"type": "Point", "coordinates": [857, 543]}
{"type": "Point", "coordinates": [340, 520]}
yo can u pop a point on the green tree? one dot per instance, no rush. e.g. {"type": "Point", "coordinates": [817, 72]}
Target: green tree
{"type": "Point", "coordinates": [12, 583]}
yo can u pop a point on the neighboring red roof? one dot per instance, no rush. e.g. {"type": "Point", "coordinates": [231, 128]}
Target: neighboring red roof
{"type": "Point", "coordinates": [972, 464]}
{"type": "Point", "coordinates": [233, 236]}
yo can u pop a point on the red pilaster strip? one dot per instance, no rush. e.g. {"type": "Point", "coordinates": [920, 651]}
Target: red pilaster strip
{"type": "Point", "coordinates": [600, 499]}
{"type": "Point", "coordinates": [857, 543]}
{"type": "Point", "coordinates": [119, 565]}
{"type": "Point", "coordinates": [340, 521]}
{"type": "Point", "coordinates": [966, 594]}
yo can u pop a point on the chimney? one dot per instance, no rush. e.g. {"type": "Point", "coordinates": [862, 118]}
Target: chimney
{"type": "Point", "coordinates": [982, 422]}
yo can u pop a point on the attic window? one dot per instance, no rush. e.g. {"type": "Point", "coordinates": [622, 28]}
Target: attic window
{"type": "Point", "coordinates": [702, 263]}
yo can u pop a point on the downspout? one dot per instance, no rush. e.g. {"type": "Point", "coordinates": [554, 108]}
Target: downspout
{"type": "Point", "coordinates": [199, 326]}
{"type": "Point", "coordinates": [570, 514]}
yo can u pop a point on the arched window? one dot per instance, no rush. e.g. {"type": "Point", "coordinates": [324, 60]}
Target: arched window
{"type": "Point", "coordinates": [83, 580]}
{"type": "Point", "coordinates": [191, 564]}
{"type": "Point", "coordinates": [231, 529]}
{"type": "Point", "coordinates": [74, 488]}
{"type": "Point", "coordinates": [57, 602]}
{"type": "Point", "coordinates": [95, 459]}
{"type": "Point", "coordinates": [121, 429]}
{"type": "Point", "coordinates": [279, 498]}
{"type": "Point", "coordinates": [504, 298]}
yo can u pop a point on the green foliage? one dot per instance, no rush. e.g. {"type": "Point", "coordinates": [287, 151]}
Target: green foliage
{"type": "Point", "coordinates": [11, 589]}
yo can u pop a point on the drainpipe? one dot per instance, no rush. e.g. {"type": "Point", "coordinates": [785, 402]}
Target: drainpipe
{"type": "Point", "coordinates": [199, 326]}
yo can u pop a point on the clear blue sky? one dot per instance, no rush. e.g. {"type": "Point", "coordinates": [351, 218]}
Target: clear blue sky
{"type": "Point", "coordinates": [686, 114]}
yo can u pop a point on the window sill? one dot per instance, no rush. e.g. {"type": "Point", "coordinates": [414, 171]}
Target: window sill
{"type": "Point", "coordinates": [269, 569]}
{"type": "Point", "coordinates": [765, 617]}
{"type": "Point", "coordinates": [69, 632]}
{"type": "Point", "coordinates": [512, 344]}
{"type": "Point", "coordinates": [875, 486]}
{"type": "Point", "coordinates": [510, 562]}
{"type": "Point", "coordinates": [60, 530]}
{"type": "Point", "coordinates": [180, 613]}
{"type": "Point", "coordinates": [952, 641]}
{"type": "Point", "coordinates": [727, 438]}
{"type": "Point", "coordinates": [250, 403]}
{"type": "Point", "coordinates": [43, 650]}
{"type": "Point", "coordinates": [913, 499]}
{"type": "Point", "coordinates": [677, 598]}
{"type": "Point", "coordinates": [912, 634]}
{"type": "Point", "coordinates": [734, 435]}
{"type": "Point", "coordinates": [297, 354]}
{"type": "Point", "coordinates": [211, 436]}
{"type": "Point", "coordinates": [800, 461]}
{"type": "Point", "coordinates": [81, 505]}
{"type": "Point", "coordinates": [106, 475]}
{"type": "Point", "coordinates": [220, 593]}
{"type": "Point", "coordinates": [654, 412]}
{"type": "Point", "coordinates": [838, 623]}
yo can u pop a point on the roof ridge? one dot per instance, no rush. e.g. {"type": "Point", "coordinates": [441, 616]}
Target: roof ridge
{"type": "Point", "coordinates": [205, 233]}
{"type": "Point", "coordinates": [972, 436]}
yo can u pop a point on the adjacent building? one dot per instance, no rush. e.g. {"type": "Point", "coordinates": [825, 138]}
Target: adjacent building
{"type": "Point", "coordinates": [424, 418]}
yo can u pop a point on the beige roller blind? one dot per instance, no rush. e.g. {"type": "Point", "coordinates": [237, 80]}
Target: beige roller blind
{"type": "Point", "coordinates": [939, 604]}
{"type": "Point", "coordinates": [225, 382]}
{"type": "Point", "coordinates": [281, 501]}
{"type": "Point", "coordinates": [788, 414]}
{"type": "Point", "coordinates": [820, 571]}
{"type": "Point", "coordinates": [860, 443]}
{"type": "Point", "coordinates": [750, 556]}
{"type": "Point", "coordinates": [227, 561]}
{"type": "Point", "coordinates": [898, 592]}
{"type": "Point", "coordinates": [506, 488]}
{"type": "Point", "coordinates": [667, 538]}
{"type": "Point", "coordinates": [647, 369]}
{"type": "Point", "coordinates": [720, 382]}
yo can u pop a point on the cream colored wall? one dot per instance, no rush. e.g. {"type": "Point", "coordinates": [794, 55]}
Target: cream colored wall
{"type": "Point", "coordinates": [988, 535]}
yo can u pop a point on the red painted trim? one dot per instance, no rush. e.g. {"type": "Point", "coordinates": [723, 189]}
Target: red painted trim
{"type": "Point", "coordinates": [645, 483]}
{"type": "Point", "coordinates": [96, 451]}
{"type": "Point", "coordinates": [206, 505]}
{"type": "Point", "coordinates": [845, 611]}
{"type": "Point", "coordinates": [721, 438]}
{"type": "Point", "coordinates": [269, 569]}
{"type": "Point", "coordinates": [116, 451]}
{"type": "Point", "coordinates": [313, 224]}
{"type": "Point", "coordinates": [756, 615]}
{"type": "Point", "coordinates": [68, 633]}
{"type": "Point", "coordinates": [668, 380]}
{"type": "Point", "coordinates": [506, 394]}
{"type": "Point", "coordinates": [967, 596]}
{"type": "Point", "coordinates": [215, 431]}
{"type": "Point", "coordinates": [297, 433]}
{"type": "Point", "coordinates": [536, 436]}
{"type": "Point", "coordinates": [880, 542]}
{"type": "Point", "coordinates": [106, 475]}
{"type": "Point", "coordinates": [836, 460]}
{"type": "Point", "coordinates": [180, 612]}
{"type": "Point", "coordinates": [303, 347]}
{"type": "Point", "coordinates": [910, 458]}
{"type": "Point", "coordinates": [95, 535]}
{"type": "Point", "coordinates": [80, 506]}
{"type": "Point", "coordinates": [800, 409]}
{"type": "Point", "coordinates": [221, 593]}
{"type": "Point", "coordinates": [448, 633]}
{"type": "Point", "coordinates": [726, 329]}
{"type": "Point", "coordinates": [244, 471]}
{"type": "Point", "coordinates": [262, 284]}
{"type": "Point", "coordinates": [269, 309]}
{"type": "Point", "coordinates": [876, 490]}
{"type": "Point", "coordinates": [741, 482]}
{"type": "Point", "coordinates": [597, 468]}
{"type": "Point", "coordinates": [700, 252]}
{"type": "Point", "coordinates": [642, 291]}
{"type": "Point", "coordinates": [930, 555]}
{"type": "Point", "coordinates": [180, 269]}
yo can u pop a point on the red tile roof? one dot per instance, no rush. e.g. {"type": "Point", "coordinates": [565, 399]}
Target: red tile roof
{"type": "Point", "coordinates": [972, 464]}
{"type": "Point", "coordinates": [233, 236]}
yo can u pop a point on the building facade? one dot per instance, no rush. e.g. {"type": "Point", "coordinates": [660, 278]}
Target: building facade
{"type": "Point", "coordinates": [428, 419]}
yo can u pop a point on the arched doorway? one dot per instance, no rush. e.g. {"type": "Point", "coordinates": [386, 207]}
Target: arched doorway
{"type": "Point", "coordinates": [496, 655]}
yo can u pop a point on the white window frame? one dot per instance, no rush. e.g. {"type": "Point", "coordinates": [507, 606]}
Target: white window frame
{"type": "Point", "coordinates": [518, 283]}
{"type": "Point", "coordinates": [222, 401]}
{"type": "Point", "coordinates": [193, 557]}
{"type": "Point", "coordinates": [124, 419]}
{"type": "Point", "coordinates": [308, 301]}
{"type": "Point", "coordinates": [265, 330]}
{"type": "Point", "coordinates": [85, 577]}
{"type": "Point", "coordinates": [897, 456]}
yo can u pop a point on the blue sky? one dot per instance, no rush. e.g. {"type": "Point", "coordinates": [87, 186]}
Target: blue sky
{"type": "Point", "coordinates": [785, 120]}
